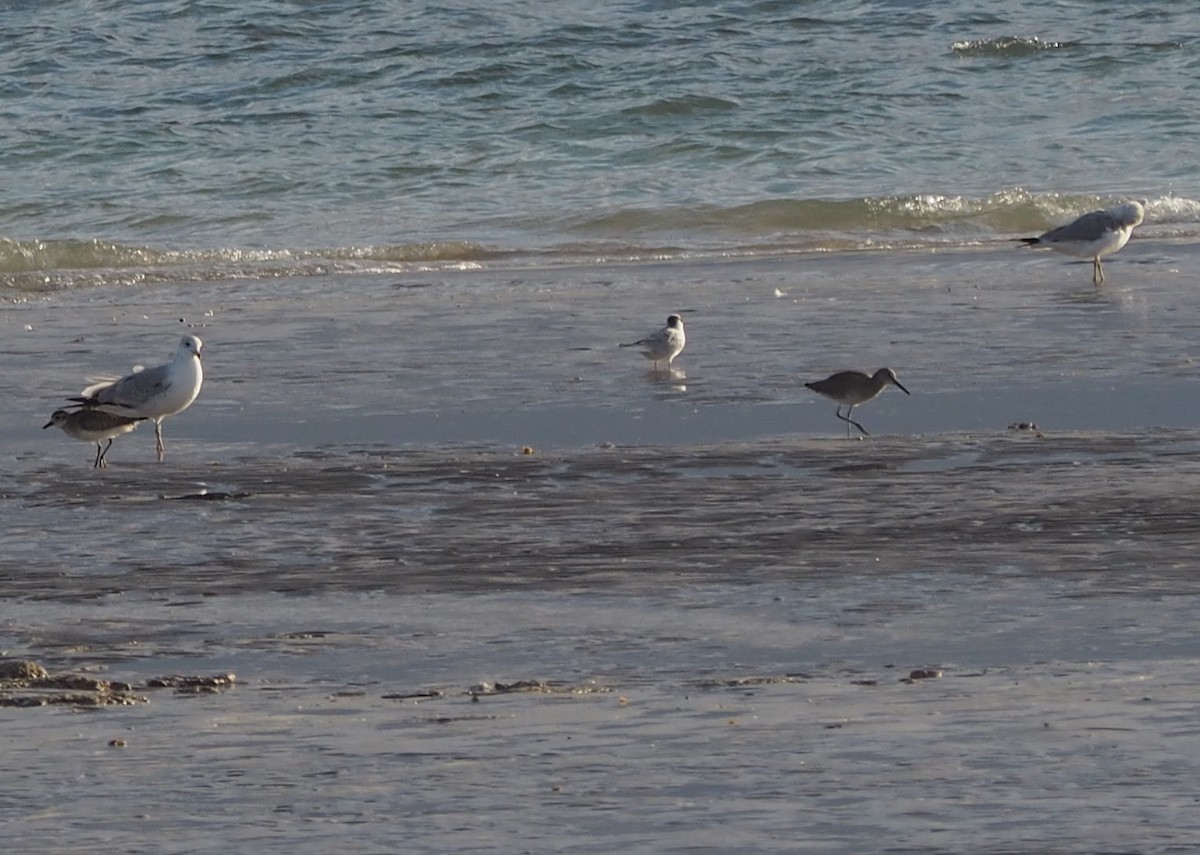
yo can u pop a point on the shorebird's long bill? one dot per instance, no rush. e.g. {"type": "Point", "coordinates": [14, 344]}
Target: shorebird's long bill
{"type": "Point", "coordinates": [900, 386]}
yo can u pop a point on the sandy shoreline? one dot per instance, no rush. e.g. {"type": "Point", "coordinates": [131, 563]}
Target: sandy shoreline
{"type": "Point", "coordinates": [346, 515]}
{"type": "Point", "coordinates": [724, 629]}
{"type": "Point", "coordinates": [411, 521]}
{"type": "Point", "coordinates": [668, 717]}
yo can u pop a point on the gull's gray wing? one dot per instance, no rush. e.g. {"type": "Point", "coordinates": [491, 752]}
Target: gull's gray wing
{"type": "Point", "coordinates": [656, 337]}
{"type": "Point", "coordinates": [1089, 227]}
{"type": "Point", "coordinates": [133, 390]}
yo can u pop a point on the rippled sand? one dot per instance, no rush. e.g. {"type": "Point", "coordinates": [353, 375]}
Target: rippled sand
{"type": "Point", "coordinates": [718, 596]}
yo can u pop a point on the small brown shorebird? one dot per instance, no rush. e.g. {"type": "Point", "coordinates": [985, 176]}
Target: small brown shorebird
{"type": "Point", "coordinates": [92, 426]}
{"type": "Point", "coordinates": [664, 344]}
{"type": "Point", "coordinates": [851, 388]}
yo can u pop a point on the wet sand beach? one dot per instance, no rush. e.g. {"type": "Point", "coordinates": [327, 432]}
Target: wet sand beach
{"type": "Point", "coordinates": [489, 585]}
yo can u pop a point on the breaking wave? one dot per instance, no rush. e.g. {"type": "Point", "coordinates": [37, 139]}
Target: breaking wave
{"type": "Point", "coordinates": [773, 226]}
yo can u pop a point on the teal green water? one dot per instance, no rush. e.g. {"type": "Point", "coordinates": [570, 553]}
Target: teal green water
{"type": "Point", "coordinates": [206, 139]}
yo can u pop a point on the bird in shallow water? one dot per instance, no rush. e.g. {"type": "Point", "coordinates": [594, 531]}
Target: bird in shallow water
{"type": "Point", "coordinates": [153, 393]}
{"type": "Point", "coordinates": [92, 426]}
{"type": "Point", "coordinates": [851, 388]}
{"type": "Point", "coordinates": [1094, 235]}
{"type": "Point", "coordinates": [663, 344]}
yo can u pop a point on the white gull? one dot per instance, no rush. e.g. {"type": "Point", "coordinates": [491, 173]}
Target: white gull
{"type": "Point", "coordinates": [153, 393]}
{"type": "Point", "coordinates": [1094, 235]}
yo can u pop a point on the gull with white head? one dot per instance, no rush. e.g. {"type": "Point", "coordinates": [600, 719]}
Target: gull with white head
{"type": "Point", "coordinates": [152, 393]}
{"type": "Point", "coordinates": [1094, 235]}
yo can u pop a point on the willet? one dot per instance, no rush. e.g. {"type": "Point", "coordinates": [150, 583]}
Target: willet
{"type": "Point", "coordinates": [851, 388]}
{"type": "Point", "coordinates": [152, 393]}
{"type": "Point", "coordinates": [663, 344]}
{"type": "Point", "coordinates": [92, 426]}
{"type": "Point", "coordinates": [1094, 235]}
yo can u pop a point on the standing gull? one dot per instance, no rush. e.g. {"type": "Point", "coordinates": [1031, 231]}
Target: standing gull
{"type": "Point", "coordinates": [851, 388]}
{"type": "Point", "coordinates": [153, 393]}
{"type": "Point", "coordinates": [92, 426]}
{"type": "Point", "coordinates": [1094, 235]}
{"type": "Point", "coordinates": [663, 344]}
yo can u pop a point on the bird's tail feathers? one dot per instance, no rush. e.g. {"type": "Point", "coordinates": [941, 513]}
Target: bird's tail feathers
{"type": "Point", "coordinates": [90, 403]}
{"type": "Point", "coordinates": [102, 381]}
{"type": "Point", "coordinates": [98, 385]}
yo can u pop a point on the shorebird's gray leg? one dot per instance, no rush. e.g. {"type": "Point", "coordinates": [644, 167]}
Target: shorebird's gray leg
{"type": "Point", "coordinates": [849, 421]}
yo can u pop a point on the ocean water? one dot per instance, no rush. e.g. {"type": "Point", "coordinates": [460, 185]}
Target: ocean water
{"type": "Point", "coordinates": [176, 141]}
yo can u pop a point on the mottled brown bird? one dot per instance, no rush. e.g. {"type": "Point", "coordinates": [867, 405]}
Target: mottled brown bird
{"type": "Point", "coordinates": [92, 426]}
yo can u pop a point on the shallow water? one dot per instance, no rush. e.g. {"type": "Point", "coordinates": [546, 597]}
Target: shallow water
{"type": "Point", "coordinates": [529, 356]}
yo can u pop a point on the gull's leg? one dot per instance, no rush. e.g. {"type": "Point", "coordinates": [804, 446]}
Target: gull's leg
{"type": "Point", "coordinates": [1098, 272]}
{"type": "Point", "coordinates": [159, 446]}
